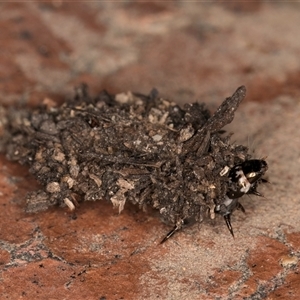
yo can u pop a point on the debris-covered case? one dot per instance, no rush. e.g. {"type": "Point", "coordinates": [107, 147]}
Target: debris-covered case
{"type": "Point", "coordinates": [131, 147]}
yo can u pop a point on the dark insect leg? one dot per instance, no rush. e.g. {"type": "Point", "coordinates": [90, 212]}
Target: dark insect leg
{"type": "Point", "coordinates": [239, 206]}
{"type": "Point", "coordinates": [228, 223]}
{"type": "Point", "coordinates": [174, 230]}
{"type": "Point", "coordinates": [256, 193]}
{"type": "Point", "coordinates": [169, 234]}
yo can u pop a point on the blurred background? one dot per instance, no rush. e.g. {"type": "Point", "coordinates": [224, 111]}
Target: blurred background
{"type": "Point", "coordinates": [187, 50]}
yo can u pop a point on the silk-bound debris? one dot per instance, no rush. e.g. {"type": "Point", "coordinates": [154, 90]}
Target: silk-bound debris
{"type": "Point", "coordinates": [134, 148]}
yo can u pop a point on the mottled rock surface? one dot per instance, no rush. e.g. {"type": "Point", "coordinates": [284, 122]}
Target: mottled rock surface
{"type": "Point", "coordinates": [187, 51]}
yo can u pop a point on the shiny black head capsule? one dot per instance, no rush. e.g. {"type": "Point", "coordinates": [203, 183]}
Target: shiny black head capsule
{"type": "Point", "coordinates": [246, 176]}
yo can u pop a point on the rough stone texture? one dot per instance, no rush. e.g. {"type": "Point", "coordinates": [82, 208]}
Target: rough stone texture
{"type": "Point", "coordinates": [187, 51]}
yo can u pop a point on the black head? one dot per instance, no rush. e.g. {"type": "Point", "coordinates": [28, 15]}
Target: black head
{"type": "Point", "coordinates": [254, 169]}
{"type": "Point", "coordinates": [245, 177]}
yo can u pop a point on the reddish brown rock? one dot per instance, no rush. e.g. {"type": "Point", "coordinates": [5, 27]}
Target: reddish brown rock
{"type": "Point", "coordinates": [188, 51]}
{"type": "Point", "coordinates": [264, 267]}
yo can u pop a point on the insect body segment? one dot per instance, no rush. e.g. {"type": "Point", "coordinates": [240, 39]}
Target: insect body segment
{"type": "Point", "coordinates": [245, 178]}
